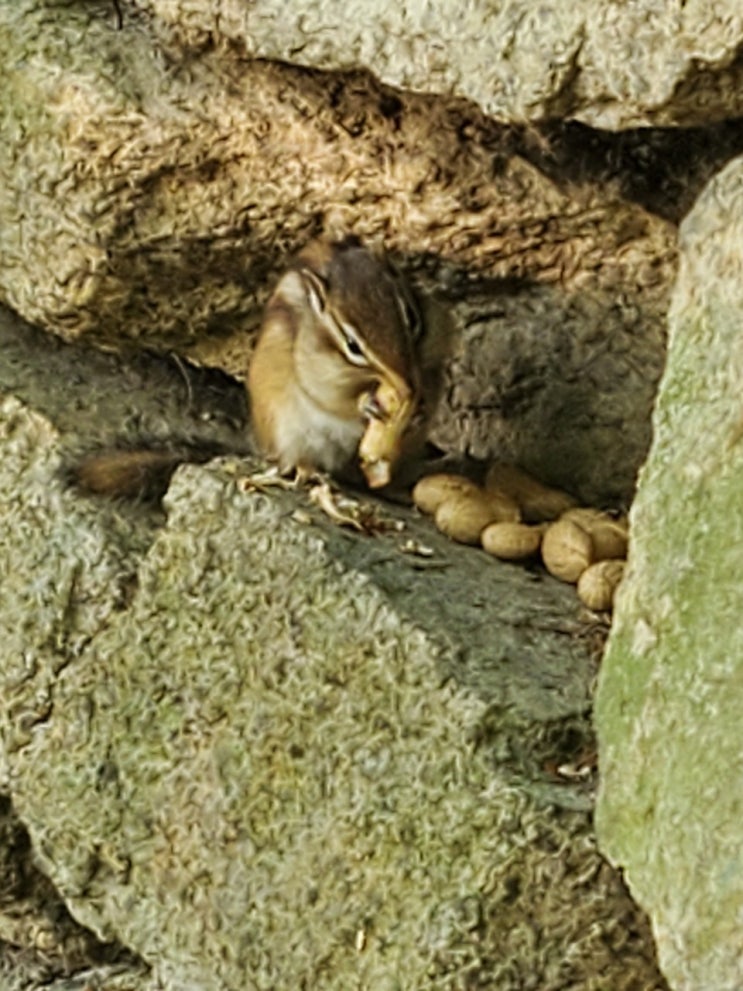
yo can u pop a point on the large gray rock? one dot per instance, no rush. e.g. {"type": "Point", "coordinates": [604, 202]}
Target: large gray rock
{"type": "Point", "coordinates": [668, 705]}
{"type": "Point", "coordinates": [611, 64]}
{"type": "Point", "coordinates": [261, 751]}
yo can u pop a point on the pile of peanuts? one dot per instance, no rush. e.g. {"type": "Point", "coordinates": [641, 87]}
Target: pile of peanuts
{"type": "Point", "coordinates": [515, 518]}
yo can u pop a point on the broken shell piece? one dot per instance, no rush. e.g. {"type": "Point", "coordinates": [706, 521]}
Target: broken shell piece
{"type": "Point", "coordinates": [322, 496]}
{"type": "Point", "coordinates": [377, 473]}
{"type": "Point", "coordinates": [390, 410]}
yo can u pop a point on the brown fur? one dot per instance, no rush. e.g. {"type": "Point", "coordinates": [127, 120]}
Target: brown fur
{"type": "Point", "coordinates": [143, 474]}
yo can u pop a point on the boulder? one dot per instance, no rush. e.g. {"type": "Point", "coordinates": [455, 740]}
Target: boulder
{"type": "Point", "coordinates": [668, 704]}
{"type": "Point", "coordinates": [256, 749]}
{"type": "Point", "coordinates": [609, 64]}
{"type": "Point", "coordinates": [151, 190]}
{"type": "Point", "coordinates": [158, 188]}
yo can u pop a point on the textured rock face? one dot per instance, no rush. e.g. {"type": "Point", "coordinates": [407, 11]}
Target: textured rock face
{"type": "Point", "coordinates": [156, 189]}
{"type": "Point", "coordinates": [259, 750]}
{"type": "Point", "coordinates": [210, 773]}
{"type": "Point", "coordinates": [668, 706]}
{"type": "Point", "coordinates": [148, 195]}
{"type": "Point", "coordinates": [610, 64]}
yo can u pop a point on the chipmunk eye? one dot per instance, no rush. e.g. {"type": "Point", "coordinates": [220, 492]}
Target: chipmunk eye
{"type": "Point", "coordinates": [353, 350]}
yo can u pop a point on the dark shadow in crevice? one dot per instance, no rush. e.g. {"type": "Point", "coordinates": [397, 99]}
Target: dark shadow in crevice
{"type": "Point", "coordinates": [40, 938]}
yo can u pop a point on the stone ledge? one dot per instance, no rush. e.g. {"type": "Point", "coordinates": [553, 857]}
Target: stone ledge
{"type": "Point", "coordinates": [233, 729]}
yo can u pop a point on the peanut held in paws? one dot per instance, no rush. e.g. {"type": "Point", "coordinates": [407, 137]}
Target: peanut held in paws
{"type": "Point", "coordinates": [381, 443]}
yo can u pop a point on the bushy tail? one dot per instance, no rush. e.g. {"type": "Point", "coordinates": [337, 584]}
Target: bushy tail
{"type": "Point", "coordinates": [136, 474]}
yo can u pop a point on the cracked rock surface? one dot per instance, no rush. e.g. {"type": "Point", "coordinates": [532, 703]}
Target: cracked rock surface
{"type": "Point", "coordinates": [608, 63]}
{"type": "Point", "coordinates": [232, 730]}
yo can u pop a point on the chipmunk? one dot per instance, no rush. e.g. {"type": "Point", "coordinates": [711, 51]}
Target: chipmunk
{"type": "Point", "coordinates": [342, 332]}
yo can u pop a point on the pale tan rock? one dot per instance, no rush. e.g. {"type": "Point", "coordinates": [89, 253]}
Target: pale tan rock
{"type": "Point", "coordinates": [610, 64]}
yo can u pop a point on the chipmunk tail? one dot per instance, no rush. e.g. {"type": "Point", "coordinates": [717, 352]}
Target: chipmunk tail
{"type": "Point", "coordinates": [134, 474]}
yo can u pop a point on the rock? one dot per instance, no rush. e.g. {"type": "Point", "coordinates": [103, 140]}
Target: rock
{"type": "Point", "coordinates": [245, 742]}
{"type": "Point", "coordinates": [562, 384]}
{"type": "Point", "coordinates": [609, 64]}
{"type": "Point", "coordinates": [668, 712]}
{"type": "Point", "coordinates": [42, 946]}
{"type": "Point", "coordinates": [154, 199]}
{"type": "Point", "coordinates": [146, 201]}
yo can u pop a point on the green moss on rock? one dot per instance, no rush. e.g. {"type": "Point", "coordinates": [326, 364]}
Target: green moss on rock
{"type": "Point", "coordinates": [668, 706]}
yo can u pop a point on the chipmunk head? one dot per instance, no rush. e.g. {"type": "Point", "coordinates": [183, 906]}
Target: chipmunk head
{"type": "Point", "coordinates": [364, 322]}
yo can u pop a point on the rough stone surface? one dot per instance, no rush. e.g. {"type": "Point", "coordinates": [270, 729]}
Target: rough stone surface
{"type": "Point", "coordinates": [610, 64]}
{"type": "Point", "coordinates": [668, 706]}
{"type": "Point", "coordinates": [149, 192]}
{"type": "Point", "coordinates": [153, 176]}
{"type": "Point", "coordinates": [562, 384]}
{"type": "Point", "coordinates": [157, 188]}
{"type": "Point", "coordinates": [40, 943]}
{"type": "Point", "coordinates": [245, 742]}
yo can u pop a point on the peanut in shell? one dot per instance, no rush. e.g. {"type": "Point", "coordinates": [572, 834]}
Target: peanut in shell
{"type": "Point", "coordinates": [609, 535]}
{"type": "Point", "coordinates": [598, 584]}
{"type": "Point", "coordinates": [505, 509]}
{"type": "Point", "coordinates": [511, 541]}
{"type": "Point", "coordinates": [539, 503]}
{"type": "Point", "coordinates": [431, 490]}
{"type": "Point", "coordinates": [566, 550]}
{"type": "Point", "coordinates": [463, 517]}
{"type": "Point", "coordinates": [381, 442]}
